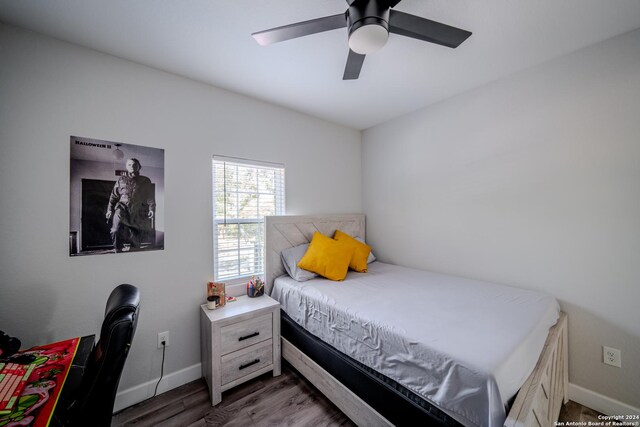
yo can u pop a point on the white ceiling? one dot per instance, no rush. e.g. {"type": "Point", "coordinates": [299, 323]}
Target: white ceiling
{"type": "Point", "coordinates": [210, 41]}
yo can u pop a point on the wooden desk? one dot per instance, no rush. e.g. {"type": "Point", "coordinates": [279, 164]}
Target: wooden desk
{"type": "Point", "coordinates": [74, 379]}
{"type": "Point", "coordinates": [47, 390]}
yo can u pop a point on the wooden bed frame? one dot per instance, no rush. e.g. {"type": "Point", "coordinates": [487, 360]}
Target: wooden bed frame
{"type": "Point", "coordinates": [539, 400]}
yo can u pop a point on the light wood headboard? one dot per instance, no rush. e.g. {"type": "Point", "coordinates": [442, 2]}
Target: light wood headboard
{"type": "Point", "coordinates": [282, 232]}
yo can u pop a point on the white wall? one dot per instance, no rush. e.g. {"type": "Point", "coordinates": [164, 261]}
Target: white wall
{"type": "Point", "coordinates": [50, 90]}
{"type": "Point", "coordinates": [531, 181]}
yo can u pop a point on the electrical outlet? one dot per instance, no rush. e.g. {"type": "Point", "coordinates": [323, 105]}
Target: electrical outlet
{"type": "Point", "coordinates": [612, 356]}
{"type": "Point", "coordinates": [163, 336]}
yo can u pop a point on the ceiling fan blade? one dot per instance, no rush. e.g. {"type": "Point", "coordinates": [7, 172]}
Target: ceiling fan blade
{"type": "Point", "coordinates": [354, 65]}
{"type": "Point", "coordinates": [300, 29]}
{"type": "Point", "coordinates": [424, 29]}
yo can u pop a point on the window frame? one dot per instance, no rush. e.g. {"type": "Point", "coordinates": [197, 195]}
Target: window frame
{"type": "Point", "coordinates": [279, 194]}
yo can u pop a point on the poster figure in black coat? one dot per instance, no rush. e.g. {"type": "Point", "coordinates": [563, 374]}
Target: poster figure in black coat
{"type": "Point", "coordinates": [131, 205]}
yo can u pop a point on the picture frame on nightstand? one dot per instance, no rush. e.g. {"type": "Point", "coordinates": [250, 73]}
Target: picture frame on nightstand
{"type": "Point", "coordinates": [217, 289]}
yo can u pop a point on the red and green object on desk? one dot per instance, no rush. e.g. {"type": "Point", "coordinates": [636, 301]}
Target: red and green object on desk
{"type": "Point", "coordinates": [13, 378]}
{"type": "Point", "coordinates": [41, 382]}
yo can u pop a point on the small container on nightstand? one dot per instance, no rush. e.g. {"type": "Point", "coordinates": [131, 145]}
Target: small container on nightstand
{"type": "Point", "coordinates": [238, 342]}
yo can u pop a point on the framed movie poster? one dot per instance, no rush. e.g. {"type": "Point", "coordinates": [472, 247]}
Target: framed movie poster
{"type": "Point", "coordinates": [117, 197]}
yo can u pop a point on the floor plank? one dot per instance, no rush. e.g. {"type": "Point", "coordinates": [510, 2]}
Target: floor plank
{"type": "Point", "coordinates": [133, 413]}
{"type": "Point", "coordinates": [195, 408]}
{"type": "Point", "coordinates": [573, 411]}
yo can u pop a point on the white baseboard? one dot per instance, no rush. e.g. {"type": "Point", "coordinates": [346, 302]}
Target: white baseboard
{"type": "Point", "coordinates": [599, 402]}
{"type": "Point", "coordinates": [137, 394]}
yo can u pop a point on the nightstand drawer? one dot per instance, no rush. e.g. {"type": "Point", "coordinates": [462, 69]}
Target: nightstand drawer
{"type": "Point", "coordinates": [243, 334]}
{"type": "Point", "coordinates": [243, 362]}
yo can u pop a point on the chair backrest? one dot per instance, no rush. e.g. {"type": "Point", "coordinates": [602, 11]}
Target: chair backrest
{"type": "Point", "coordinates": [97, 392]}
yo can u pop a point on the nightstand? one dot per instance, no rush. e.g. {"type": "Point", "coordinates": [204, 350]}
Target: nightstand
{"type": "Point", "coordinates": [238, 342]}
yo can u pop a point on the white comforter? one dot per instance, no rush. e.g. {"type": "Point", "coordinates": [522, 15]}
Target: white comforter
{"type": "Point", "coordinates": [466, 346]}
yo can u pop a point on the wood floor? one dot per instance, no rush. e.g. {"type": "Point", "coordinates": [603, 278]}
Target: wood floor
{"type": "Point", "coordinates": [573, 411]}
{"type": "Point", "coordinates": [286, 400]}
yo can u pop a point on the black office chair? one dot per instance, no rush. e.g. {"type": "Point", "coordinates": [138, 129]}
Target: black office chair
{"type": "Point", "coordinates": [97, 392]}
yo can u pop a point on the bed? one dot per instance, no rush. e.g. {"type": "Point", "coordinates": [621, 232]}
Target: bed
{"type": "Point", "coordinates": [432, 365]}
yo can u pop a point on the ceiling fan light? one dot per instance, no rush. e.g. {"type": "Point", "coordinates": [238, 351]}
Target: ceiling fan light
{"type": "Point", "coordinates": [368, 39]}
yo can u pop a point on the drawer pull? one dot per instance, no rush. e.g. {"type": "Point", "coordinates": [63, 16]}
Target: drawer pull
{"type": "Point", "coordinates": [246, 337]}
{"type": "Point", "coordinates": [246, 365]}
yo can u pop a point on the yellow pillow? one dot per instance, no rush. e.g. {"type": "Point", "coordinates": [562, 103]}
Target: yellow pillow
{"type": "Point", "coordinates": [360, 251]}
{"type": "Point", "coordinates": [327, 257]}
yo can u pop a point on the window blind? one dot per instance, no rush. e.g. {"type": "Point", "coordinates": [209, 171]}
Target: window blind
{"type": "Point", "coordinates": [244, 192]}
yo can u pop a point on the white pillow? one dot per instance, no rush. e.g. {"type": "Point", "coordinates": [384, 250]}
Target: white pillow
{"type": "Point", "coordinates": [291, 257]}
{"type": "Point", "coordinates": [371, 258]}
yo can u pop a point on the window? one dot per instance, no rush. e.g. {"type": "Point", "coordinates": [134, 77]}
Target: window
{"type": "Point", "coordinates": [244, 192]}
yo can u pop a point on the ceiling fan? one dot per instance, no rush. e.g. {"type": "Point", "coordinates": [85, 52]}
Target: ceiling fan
{"type": "Point", "coordinates": [369, 23]}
